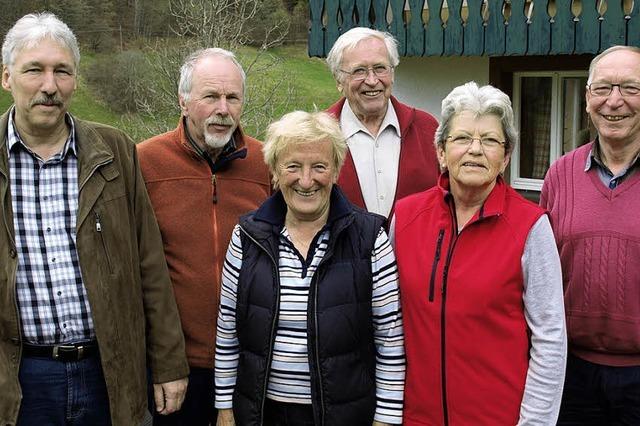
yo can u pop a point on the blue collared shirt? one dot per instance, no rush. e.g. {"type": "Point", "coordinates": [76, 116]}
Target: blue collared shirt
{"type": "Point", "coordinates": [607, 177]}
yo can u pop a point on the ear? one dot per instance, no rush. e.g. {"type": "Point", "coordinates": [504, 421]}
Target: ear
{"type": "Point", "coordinates": [6, 77]}
{"type": "Point", "coordinates": [442, 158]}
{"type": "Point", "coordinates": [183, 106]}
{"type": "Point", "coordinates": [587, 97]}
{"type": "Point", "coordinates": [505, 163]}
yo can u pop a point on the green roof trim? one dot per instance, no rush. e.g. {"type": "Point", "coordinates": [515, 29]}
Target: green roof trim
{"type": "Point", "coordinates": [476, 28]}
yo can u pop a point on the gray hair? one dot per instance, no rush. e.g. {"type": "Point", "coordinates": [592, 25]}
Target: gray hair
{"type": "Point", "coordinates": [29, 30]}
{"type": "Point", "coordinates": [594, 61]}
{"type": "Point", "coordinates": [351, 38]}
{"type": "Point", "coordinates": [485, 100]}
{"type": "Point", "coordinates": [186, 70]}
{"type": "Point", "coordinates": [299, 128]}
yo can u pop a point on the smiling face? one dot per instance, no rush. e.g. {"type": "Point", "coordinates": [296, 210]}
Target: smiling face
{"type": "Point", "coordinates": [41, 80]}
{"type": "Point", "coordinates": [214, 106]}
{"type": "Point", "coordinates": [367, 98]}
{"type": "Point", "coordinates": [306, 174]}
{"type": "Point", "coordinates": [474, 168]}
{"type": "Point", "coordinates": [616, 118]}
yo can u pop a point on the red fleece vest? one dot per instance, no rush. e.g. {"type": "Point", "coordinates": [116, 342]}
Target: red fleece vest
{"type": "Point", "coordinates": [465, 332]}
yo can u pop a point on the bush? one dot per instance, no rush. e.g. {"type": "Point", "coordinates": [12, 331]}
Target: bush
{"type": "Point", "coordinates": [116, 79]}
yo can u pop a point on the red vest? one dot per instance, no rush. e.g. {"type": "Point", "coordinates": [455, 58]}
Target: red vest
{"type": "Point", "coordinates": [466, 336]}
{"type": "Point", "coordinates": [418, 164]}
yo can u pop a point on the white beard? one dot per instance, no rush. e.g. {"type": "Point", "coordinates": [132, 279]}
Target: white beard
{"type": "Point", "coordinates": [215, 141]}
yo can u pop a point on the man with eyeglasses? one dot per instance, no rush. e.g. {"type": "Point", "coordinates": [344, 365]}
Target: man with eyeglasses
{"type": "Point", "coordinates": [593, 196]}
{"type": "Point", "coordinates": [391, 152]}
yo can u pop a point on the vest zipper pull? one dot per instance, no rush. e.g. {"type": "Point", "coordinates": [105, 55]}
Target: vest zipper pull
{"type": "Point", "coordinates": [98, 224]}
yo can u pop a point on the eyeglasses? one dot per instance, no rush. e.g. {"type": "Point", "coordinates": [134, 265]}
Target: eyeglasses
{"type": "Point", "coordinates": [465, 141]}
{"type": "Point", "coordinates": [361, 73]}
{"type": "Point", "coordinates": [605, 89]}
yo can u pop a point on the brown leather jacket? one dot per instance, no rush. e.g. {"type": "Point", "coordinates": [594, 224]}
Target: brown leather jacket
{"type": "Point", "coordinates": [124, 271]}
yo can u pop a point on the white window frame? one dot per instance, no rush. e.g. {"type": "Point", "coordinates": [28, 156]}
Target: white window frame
{"type": "Point", "coordinates": [556, 125]}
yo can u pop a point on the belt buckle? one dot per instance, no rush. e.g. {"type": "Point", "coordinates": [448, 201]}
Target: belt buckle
{"type": "Point", "coordinates": [59, 351]}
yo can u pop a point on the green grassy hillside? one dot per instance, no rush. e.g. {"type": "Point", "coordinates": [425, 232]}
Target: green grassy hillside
{"type": "Point", "coordinates": [311, 81]}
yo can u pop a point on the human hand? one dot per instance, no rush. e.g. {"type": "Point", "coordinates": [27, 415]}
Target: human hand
{"type": "Point", "coordinates": [225, 418]}
{"type": "Point", "coordinates": [169, 395]}
{"type": "Point", "coordinates": [377, 423]}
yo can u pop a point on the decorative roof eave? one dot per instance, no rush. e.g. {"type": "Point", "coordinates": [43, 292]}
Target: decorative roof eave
{"type": "Point", "coordinates": [490, 28]}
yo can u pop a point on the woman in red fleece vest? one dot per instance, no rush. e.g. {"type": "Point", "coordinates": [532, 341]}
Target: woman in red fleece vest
{"type": "Point", "coordinates": [480, 281]}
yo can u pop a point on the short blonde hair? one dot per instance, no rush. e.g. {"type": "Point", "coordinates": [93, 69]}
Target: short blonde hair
{"type": "Point", "coordinates": [299, 128]}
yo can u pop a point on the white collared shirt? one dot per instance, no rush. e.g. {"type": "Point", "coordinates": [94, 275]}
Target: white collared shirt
{"type": "Point", "coordinates": [376, 158]}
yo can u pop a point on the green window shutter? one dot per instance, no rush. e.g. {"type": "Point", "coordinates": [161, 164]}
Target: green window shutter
{"type": "Point", "coordinates": [588, 28]}
{"type": "Point", "coordinates": [539, 29]}
{"type": "Point", "coordinates": [332, 30]}
{"type": "Point", "coordinates": [613, 31]}
{"type": "Point", "coordinates": [453, 35]}
{"type": "Point", "coordinates": [380, 10]}
{"type": "Point", "coordinates": [474, 30]}
{"type": "Point", "coordinates": [435, 33]}
{"type": "Point", "coordinates": [315, 43]}
{"type": "Point", "coordinates": [563, 30]}
{"type": "Point", "coordinates": [495, 31]}
{"type": "Point", "coordinates": [633, 27]}
{"type": "Point", "coordinates": [397, 26]}
{"type": "Point", "coordinates": [415, 29]}
{"type": "Point", "coordinates": [517, 30]}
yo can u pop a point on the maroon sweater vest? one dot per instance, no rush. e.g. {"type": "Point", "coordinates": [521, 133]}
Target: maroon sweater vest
{"type": "Point", "coordinates": [598, 234]}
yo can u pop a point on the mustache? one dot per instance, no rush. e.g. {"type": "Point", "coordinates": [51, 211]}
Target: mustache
{"type": "Point", "coordinates": [48, 100]}
{"type": "Point", "coordinates": [221, 121]}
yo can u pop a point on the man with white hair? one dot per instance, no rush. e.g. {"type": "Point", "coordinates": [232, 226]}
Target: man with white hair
{"type": "Point", "coordinates": [593, 197]}
{"type": "Point", "coordinates": [201, 178]}
{"type": "Point", "coordinates": [85, 295]}
{"type": "Point", "coordinates": [391, 151]}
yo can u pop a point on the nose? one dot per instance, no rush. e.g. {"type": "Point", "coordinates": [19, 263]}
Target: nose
{"type": "Point", "coordinates": [49, 85]}
{"type": "Point", "coordinates": [475, 148]}
{"type": "Point", "coordinates": [372, 78]}
{"type": "Point", "coordinates": [306, 179]}
{"type": "Point", "coordinates": [615, 98]}
{"type": "Point", "coordinates": [222, 107]}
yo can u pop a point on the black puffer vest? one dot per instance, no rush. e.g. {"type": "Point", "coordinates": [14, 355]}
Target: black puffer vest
{"type": "Point", "coordinates": [342, 355]}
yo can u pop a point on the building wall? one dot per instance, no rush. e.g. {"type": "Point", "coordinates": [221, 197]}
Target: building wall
{"type": "Point", "coordinates": [423, 82]}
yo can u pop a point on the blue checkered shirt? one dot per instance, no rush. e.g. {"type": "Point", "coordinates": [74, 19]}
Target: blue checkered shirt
{"type": "Point", "coordinates": [51, 296]}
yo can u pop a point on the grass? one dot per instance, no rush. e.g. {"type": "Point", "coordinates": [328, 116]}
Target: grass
{"type": "Point", "coordinates": [312, 88]}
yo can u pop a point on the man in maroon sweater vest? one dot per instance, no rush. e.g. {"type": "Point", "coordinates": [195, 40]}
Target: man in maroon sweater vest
{"type": "Point", "coordinates": [201, 177]}
{"type": "Point", "coordinates": [391, 151]}
{"type": "Point", "coordinates": [593, 196]}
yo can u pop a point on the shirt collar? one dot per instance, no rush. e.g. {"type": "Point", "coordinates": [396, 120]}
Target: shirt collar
{"type": "Point", "coordinates": [351, 124]}
{"type": "Point", "coordinates": [595, 158]}
{"type": "Point", "coordinates": [13, 137]}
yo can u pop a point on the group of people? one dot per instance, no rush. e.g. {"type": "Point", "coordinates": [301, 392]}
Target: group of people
{"type": "Point", "coordinates": [366, 265]}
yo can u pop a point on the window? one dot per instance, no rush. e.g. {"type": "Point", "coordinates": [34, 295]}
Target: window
{"type": "Point", "coordinates": [549, 110]}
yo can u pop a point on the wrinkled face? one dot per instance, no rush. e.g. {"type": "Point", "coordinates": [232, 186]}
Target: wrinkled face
{"type": "Point", "coordinates": [474, 167]}
{"type": "Point", "coordinates": [367, 98]}
{"type": "Point", "coordinates": [214, 106]}
{"type": "Point", "coordinates": [616, 118]}
{"type": "Point", "coordinates": [306, 174]}
{"type": "Point", "coordinates": [41, 80]}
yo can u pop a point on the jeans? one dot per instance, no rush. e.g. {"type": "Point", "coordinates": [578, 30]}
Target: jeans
{"type": "Point", "coordinates": [198, 408]}
{"type": "Point", "coordinates": [56, 393]}
{"type": "Point", "coordinates": [596, 395]}
{"type": "Point", "coordinates": [284, 414]}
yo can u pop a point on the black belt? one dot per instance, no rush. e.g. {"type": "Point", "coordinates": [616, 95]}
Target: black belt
{"type": "Point", "coordinates": [65, 353]}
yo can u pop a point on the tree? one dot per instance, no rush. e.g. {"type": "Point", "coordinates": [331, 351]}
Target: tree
{"type": "Point", "coordinates": [215, 23]}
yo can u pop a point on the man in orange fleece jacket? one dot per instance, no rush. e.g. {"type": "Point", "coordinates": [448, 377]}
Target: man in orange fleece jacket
{"type": "Point", "coordinates": [201, 177]}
